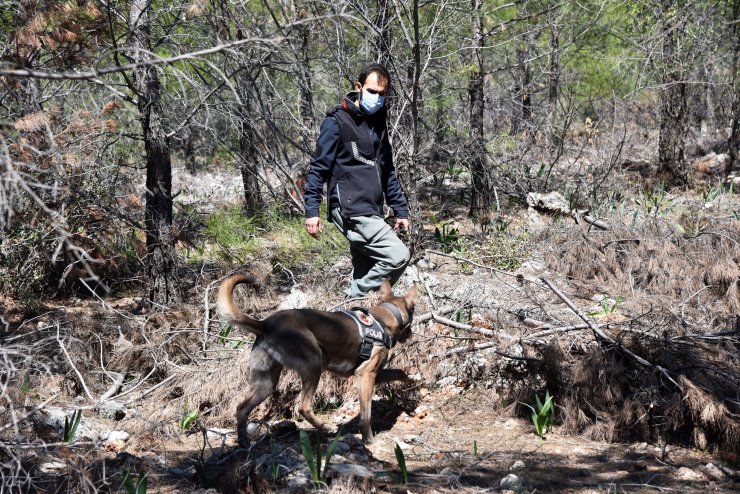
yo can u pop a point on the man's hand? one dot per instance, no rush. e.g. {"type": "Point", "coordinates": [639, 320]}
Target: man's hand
{"type": "Point", "coordinates": [314, 226]}
{"type": "Point", "coordinates": [402, 223]}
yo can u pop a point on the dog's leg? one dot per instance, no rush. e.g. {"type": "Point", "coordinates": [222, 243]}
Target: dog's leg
{"type": "Point", "coordinates": [366, 383]}
{"type": "Point", "coordinates": [264, 373]}
{"type": "Point", "coordinates": [309, 383]}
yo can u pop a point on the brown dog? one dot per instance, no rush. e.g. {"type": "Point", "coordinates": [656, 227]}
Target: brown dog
{"type": "Point", "coordinates": [311, 341]}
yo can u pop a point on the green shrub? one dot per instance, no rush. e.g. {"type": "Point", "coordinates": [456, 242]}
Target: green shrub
{"type": "Point", "coordinates": [231, 233]}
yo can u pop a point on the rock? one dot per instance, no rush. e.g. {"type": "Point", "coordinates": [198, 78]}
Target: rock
{"type": "Point", "coordinates": [298, 481]}
{"type": "Point", "coordinates": [111, 410]}
{"type": "Point", "coordinates": [446, 381]}
{"type": "Point", "coordinates": [513, 483]}
{"type": "Point", "coordinates": [219, 435]}
{"type": "Point", "coordinates": [255, 429]}
{"type": "Point", "coordinates": [553, 202]}
{"type": "Point", "coordinates": [51, 419]}
{"type": "Point", "coordinates": [351, 476]}
{"type": "Point", "coordinates": [53, 466]}
{"type": "Point", "coordinates": [685, 473]}
{"type": "Point", "coordinates": [401, 444]}
{"type": "Point", "coordinates": [451, 475]}
{"type": "Point", "coordinates": [713, 472]}
{"type": "Point", "coordinates": [518, 465]}
{"type": "Point", "coordinates": [115, 436]}
{"type": "Point", "coordinates": [700, 438]}
{"type": "Point", "coordinates": [531, 267]}
{"type": "Point", "coordinates": [278, 463]}
{"type": "Point", "coordinates": [711, 164]}
{"type": "Point", "coordinates": [296, 300]}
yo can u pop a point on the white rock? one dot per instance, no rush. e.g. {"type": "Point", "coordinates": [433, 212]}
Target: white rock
{"type": "Point", "coordinates": [296, 300]}
{"type": "Point", "coordinates": [552, 201]}
{"type": "Point", "coordinates": [115, 436]}
{"type": "Point", "coordinates": [685, 473]}
{"type": "Point", "coordinates": [518, 465]}
{"type": "Point", "coordinates": [52, 466]}
{"type": "Point", "coordinates": [513, 483]}
{"type": "Point", "coordinates": [713, 472]}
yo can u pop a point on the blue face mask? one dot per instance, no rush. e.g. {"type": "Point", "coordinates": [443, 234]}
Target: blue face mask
{"type": "Point", "coordinates": [371, 103]}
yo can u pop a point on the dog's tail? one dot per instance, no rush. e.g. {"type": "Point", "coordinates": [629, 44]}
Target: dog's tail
{"type": "Point", "coordinates": [228, 312]}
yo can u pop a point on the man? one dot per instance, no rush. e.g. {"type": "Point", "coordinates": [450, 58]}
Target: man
{"type": "Point", "coordinates": [354, 156]}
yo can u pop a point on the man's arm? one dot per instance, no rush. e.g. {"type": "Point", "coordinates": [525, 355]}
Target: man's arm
{"type": "Point", "coordinates": [318, 173]}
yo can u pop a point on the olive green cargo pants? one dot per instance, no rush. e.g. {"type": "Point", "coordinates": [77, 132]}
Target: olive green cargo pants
{"type": "Point", "coordinates": [377, 252]}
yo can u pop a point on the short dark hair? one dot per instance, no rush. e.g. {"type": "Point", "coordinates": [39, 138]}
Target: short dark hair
{"type": "Point", "coordinates": [379, 69]}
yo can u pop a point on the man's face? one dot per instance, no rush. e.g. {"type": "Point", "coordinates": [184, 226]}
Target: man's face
{"type": "Point", "coordinates": [373, 85]}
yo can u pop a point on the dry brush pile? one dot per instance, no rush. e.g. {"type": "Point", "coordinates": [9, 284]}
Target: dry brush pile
{"type": "Point", "coordinates": [679, 313]}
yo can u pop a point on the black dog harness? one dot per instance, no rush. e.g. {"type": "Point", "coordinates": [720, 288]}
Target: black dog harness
{"type": "Point", "coordinates": [372, 333]}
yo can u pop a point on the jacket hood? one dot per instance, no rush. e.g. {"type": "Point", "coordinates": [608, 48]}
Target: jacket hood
{"type": "Point", "coordinates": [350, 103]}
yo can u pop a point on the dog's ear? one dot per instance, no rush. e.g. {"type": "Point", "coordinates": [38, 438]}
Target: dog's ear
{"type": "Point", "coordinates": [386, 292]}
{"type": "Point", "coordinates": [411, 297]}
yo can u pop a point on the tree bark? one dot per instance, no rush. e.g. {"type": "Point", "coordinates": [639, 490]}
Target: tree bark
{"type": "Point", "coordinates": [674, 110]}
{"type": "Point", "coordinates": [305, 85]}
{"type": "Point", "coordinates": [480, 195]}
{"type": "Point", "coordinates": [26, 58]}
{"type": "Point", "coordinates": [412, 171]}
{"type": "Point", "coordinates": [248, 150]}
{"type": "Point", "coordinates": [734, 138]}
{"type": "Point", "coordinates": [382, 39]}
{"type": "Point", "coordinates": [161, 258]}
{"type": "Point", "coordinates": [522, 120]}
{"type": "Point", "coordinates": [553, 137]}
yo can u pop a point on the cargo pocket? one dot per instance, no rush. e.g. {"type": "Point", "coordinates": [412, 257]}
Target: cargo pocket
{"type": "Point", "coordinates": [370, 227]}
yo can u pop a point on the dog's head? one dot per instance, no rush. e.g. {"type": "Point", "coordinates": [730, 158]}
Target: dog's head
{"type": "Point", "coordinates": [405, 304]}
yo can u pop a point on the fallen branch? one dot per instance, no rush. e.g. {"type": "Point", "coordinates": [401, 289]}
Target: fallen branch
{"type": "Point", "coordinates": [425, 317]}
{"type": "Point", "coordinates": [69, 359]}
{"type": "Point", "coordinates": [429, 292]}
{"type": "Point", "coordinates": [117, 383]}
{"type": "Point", "coordinates": [464, 327]}
{"type": "Point", "coordinates": [592, 221]}
{"type": "Point", "coordinates": [601, 335]}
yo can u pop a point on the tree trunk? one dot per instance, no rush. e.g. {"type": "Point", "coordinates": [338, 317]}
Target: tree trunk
{"type": "Point", "coordinates": [522, 120]}
{"type": "Point", "coordinates": [382, 39]}
{"type": "Point", "coordinates": [734, 139]}
{"type": "Point", "coordinates": [305, 85]}
{"type": "Point", "coordinates": [674, 111]}
{"type": "Point", "coordinates": [412, 171]}
{"type": "Point", "coordinates": [26, 57]}
{"type": "Point", "coordinates": [480, 195]}
{"type": "Point", "coordinates": [248, 151]}
{"type": "Point", "coordinates": [161, 259]}
{"type": "Point", "coordinates": [553, 137]}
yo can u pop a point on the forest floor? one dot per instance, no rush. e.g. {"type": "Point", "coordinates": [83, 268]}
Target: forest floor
{"type": "Point", "coordinates": [170, 417]}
